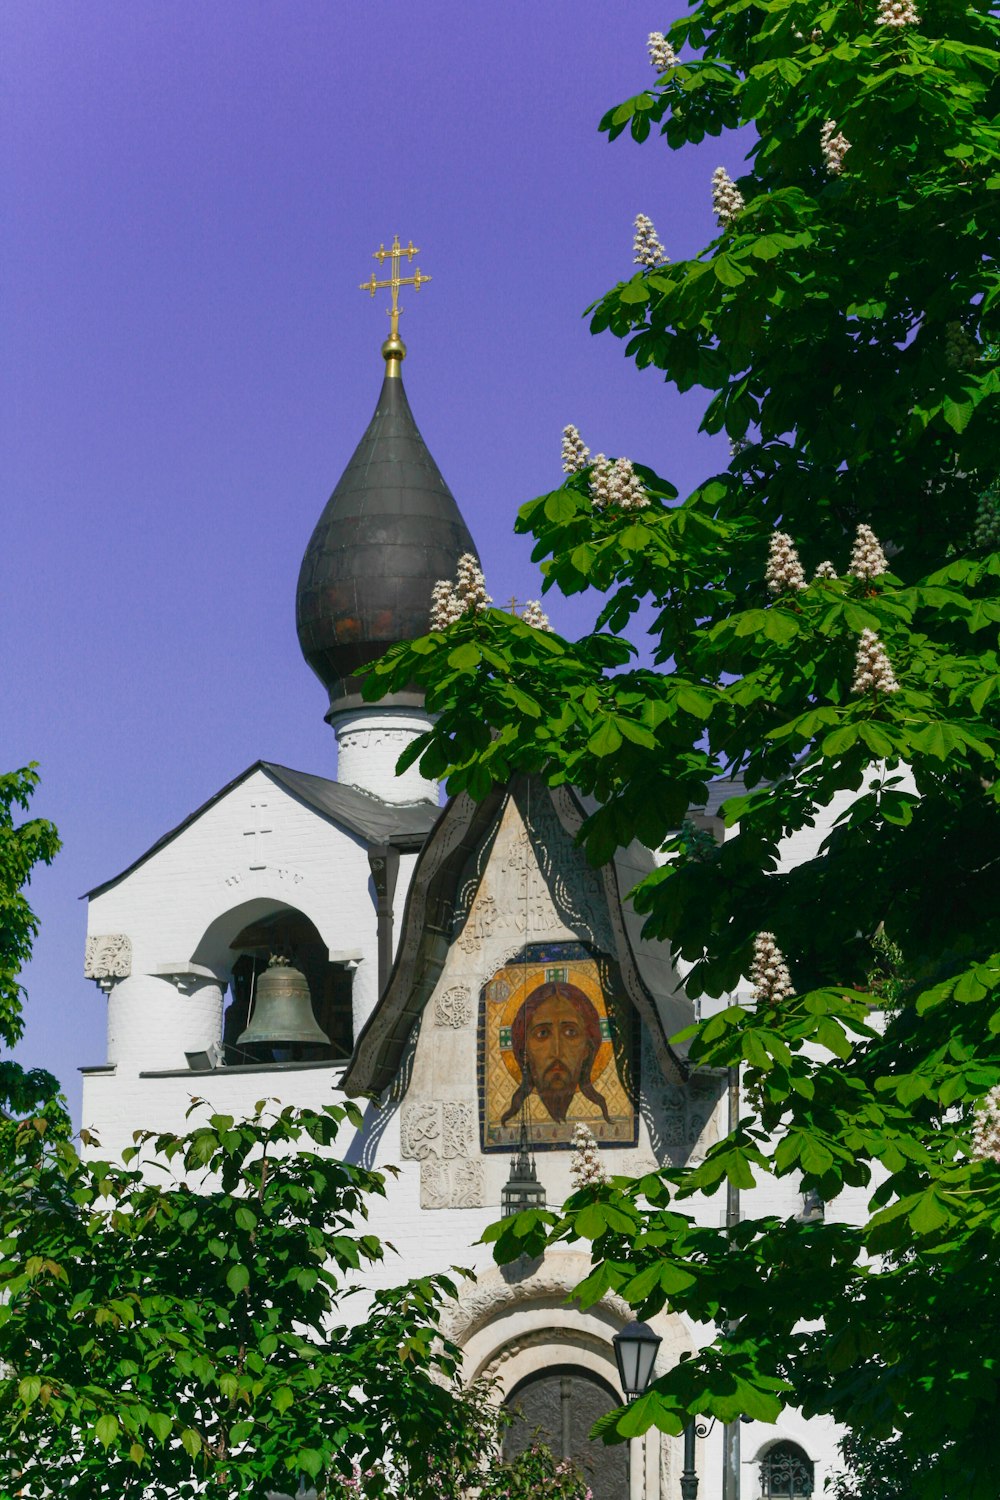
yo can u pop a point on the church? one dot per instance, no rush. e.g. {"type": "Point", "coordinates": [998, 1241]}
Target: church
{"type": "Point", "coordinates": [309, 938]}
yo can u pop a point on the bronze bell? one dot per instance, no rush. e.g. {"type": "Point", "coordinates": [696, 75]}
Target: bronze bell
{"type": "Point", "coordinates": [282, 1010]}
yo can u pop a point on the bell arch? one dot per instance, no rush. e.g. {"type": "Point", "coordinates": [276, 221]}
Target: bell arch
{"type": "Point", "coordinates": [239, 943]}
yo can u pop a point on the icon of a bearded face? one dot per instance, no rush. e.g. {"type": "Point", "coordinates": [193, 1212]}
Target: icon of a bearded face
{"type": "Point", "coordinates": [555, 1038]}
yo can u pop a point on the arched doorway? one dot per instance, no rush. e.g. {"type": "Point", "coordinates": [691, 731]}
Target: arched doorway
{"type": "Point", "coordinates": [558, 1406]}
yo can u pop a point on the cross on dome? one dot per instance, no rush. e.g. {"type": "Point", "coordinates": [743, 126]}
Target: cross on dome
{"type": "Point", "coordinates": [394, 350]}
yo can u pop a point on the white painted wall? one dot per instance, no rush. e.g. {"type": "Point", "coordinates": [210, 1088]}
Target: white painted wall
{"type": "Point", "coordinates": [370, 742]}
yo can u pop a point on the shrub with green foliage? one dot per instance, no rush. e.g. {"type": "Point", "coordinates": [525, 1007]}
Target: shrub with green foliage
{"type": "Point", "coordinates": [174, 1325]}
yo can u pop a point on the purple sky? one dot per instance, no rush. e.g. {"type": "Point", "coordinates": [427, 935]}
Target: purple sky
{"type": "Point", "coordinates": [191, 195]}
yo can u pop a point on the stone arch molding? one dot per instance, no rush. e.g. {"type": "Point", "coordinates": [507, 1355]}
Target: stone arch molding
{"type": "Point", "coordinates": [515, 1322]}
{"type": "Point", "coordinates": [212, 947]}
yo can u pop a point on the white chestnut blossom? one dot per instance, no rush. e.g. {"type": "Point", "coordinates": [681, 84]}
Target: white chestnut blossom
{"type": "Point", "coordinates": [834, 147]}
{"type": "Point", "coordinates": [897, 13]}
{"type": "Point", "coordinates": [467, 596]}
{"type": "Point", "coordinates": [575, 453]}
{"type": "Point", "coordinates": [445, 608]}
{"type": "Point", "coordinates": [872, 668]}
{"type": "Point", "coordinates": [825, 570]}
{"type": "Point", "coordinates": [616, 484]}
{"type": "Point", "coordinates": [646, 246]}
{"type": "Point", "coordinates": [626, 488]}
{"type": "Point", "coordinates": [727, 200]}
{"type": "Point", "coordinates": [661, 54]}
{"type": "Point", "coordinates": [471, 586]}
{"type": "Point", "coordinates": [986, 1130]}
{"type": "Point", "coordinates": [867, 559]}
{"type": "Point", "coordinates": [784, 570]}
{"type": "Point", "coordinates": [769, 974]}
{"type": "Point", "coordinates": [585, 1166]}
{"type": "Point", "coordinates": [600, 477]}
{"type": "Point", "coordinates": [534, 615]}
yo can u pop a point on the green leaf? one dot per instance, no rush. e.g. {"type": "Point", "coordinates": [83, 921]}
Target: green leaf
{"type": "Point", "coordinates": [191, 1441]}
{"type": "Point", "coordinates": [107, 1428]}
{"type": "Point", "coordinates": [728, 271]}
{"type": "Point", "coordinates": [929, 1214]}
{"type": "Point", "coordinates": [159, 1425]}
{"type": "Point", "coordinates": [237, 1279]}
{"type": "Point", "coordinates": [606, 738]}
{"type": "Point", "coordinates": [465, 658]}
{"type": "Point", "coordinates": [839, 740]}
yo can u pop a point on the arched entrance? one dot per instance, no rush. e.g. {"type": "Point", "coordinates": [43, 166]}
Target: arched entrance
{"type": "Point", "coordinates": [558, 1406]}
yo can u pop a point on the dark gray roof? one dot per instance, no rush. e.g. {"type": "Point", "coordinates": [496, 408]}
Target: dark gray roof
{"type": "Point", "coordinates": [431, 905]}
{"type": "Point", "coordinates": [406, 824]}
{"type": "Point", "coordinates": [373, 821]}
{"type": "Point", "coordinates": [389, 531]}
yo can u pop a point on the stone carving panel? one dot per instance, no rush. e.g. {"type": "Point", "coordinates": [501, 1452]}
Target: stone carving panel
{"type": "Point", "coordinates": [457, 1122]}
{"type": "Point", "coordinates": [681, 1118]}
{"type": "Point", "coordinates": [453, 1007]}
{"type": "Point", "coordinates": [420, 1130]}
{"type": "Point", "coordinates": [468, 1183]}
{"type": "Point", "coordinates": [436, 1129]}
{"type": "Point", "coordinates": [455, 1184]}
{"type": "Point", "coordinates": [108, 956]}
{"type": "Point", "coordinates": [435, 1185]}
{"type": "Point", "coordinates": [483, 919]}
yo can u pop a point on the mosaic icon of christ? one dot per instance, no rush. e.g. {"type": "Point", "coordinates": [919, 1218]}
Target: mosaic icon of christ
{"type": "Point", "coordinates": [555, 1037]}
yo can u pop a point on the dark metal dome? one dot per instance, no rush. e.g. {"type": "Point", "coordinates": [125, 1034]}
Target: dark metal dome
{"type": "Point", "coordinates": [390, 530]}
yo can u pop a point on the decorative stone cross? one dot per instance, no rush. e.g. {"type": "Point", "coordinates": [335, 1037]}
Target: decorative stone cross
{"type": "Point", "coordinates": [257, 860]}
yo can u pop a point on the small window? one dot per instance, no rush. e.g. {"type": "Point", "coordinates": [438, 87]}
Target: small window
{"type": "Point", "coordinates": [786, 1473]}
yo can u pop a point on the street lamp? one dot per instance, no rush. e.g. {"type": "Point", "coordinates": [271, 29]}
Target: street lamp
{"type": "Point", "coordinates": [635, 1354]}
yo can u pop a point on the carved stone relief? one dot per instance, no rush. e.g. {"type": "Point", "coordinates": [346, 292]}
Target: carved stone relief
{"type": "Point", "coordinates": [458, 1122]}
{"type": "Point", "coordinates": [681, 1118]}
{"type": "Point", "coordinates": [483, 919]}
{"type": "Point", "coordinates": [468, 1183]}
{"type": "Point", "coordinates": [453, 1007]}
{"type": "Point", "coordinates": [435, 1185]}
{"type": "Point", "coordinates": [441, 1129]}
{"type": "Point", "coordinates": [108, 956]}
{"type": "Point", "coordinates": [454, 1184]}
{"type": "Point", "coordinates": [420, 1130]}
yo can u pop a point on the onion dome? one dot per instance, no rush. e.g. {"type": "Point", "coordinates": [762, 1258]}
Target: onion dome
{"type": "Point", "coordinates": [390, 530]}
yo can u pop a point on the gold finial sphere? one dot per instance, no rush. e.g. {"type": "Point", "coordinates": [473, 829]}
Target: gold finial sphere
{"type": "Point", "coordinates": [393, 348]}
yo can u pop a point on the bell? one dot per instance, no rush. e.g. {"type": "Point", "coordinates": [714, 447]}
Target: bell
{"type": "Point", "coordinates": [282, 1011]}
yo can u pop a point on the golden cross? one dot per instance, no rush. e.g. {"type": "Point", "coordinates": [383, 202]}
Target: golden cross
{"type": "Point", "coordinates": [395, 281]}
{"type": "Point", "coordinates": [514, 605]}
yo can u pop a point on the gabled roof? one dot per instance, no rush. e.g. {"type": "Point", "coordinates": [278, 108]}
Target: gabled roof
{"type": "Point", "coordinates": [463, 828]}
{"type": "Point", "coordinates": [405, 825]}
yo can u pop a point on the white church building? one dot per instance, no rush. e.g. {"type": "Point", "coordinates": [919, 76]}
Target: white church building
{"type": "Point", "coordinates": [307, 938]}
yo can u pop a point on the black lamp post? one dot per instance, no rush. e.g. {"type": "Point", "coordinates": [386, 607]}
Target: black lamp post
{"type": "Point", "coordinates": [635, 1354]}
